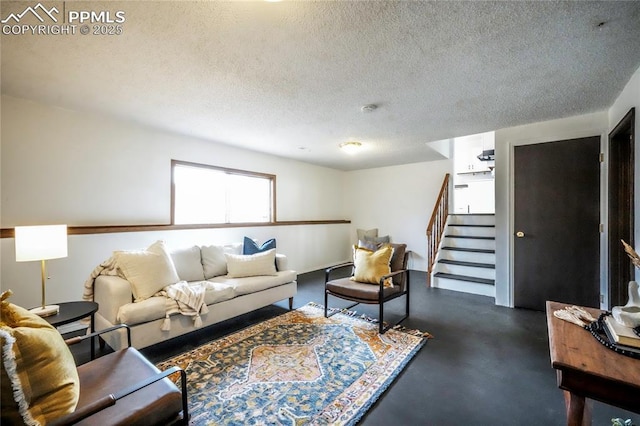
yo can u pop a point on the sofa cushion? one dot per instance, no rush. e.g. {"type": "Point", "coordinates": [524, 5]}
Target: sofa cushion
{"type": "Point", "coordinates": [148, 270]}
{"type": "Point", "coordinates": [188, 263]}
{"type": "Point", "coordinates": [249, 246]}
{"type": "Point", "coordinates": [240, 265]}
{"type": "Point", "coordinates": [213, 260]}
{"type": "Point", "coordinates": [248, 285]}
{"type": "Point", "coordinates": [360, 291]}
{"type": "Point", "coordinates": [218, 292]}
{"type": "Point", "coordinates": [37, 369]}
{"type": "Point", "coordinates": [156, 307]}
{"type": "Point", "coordinates": [144, 311]}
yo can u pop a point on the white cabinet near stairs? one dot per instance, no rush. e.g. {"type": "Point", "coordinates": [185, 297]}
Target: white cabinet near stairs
{"type": "Point", "coordinates": [467, 255]}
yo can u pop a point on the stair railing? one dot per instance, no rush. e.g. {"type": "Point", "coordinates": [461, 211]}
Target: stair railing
{"type": "Point", "coordinates": [436, 226]}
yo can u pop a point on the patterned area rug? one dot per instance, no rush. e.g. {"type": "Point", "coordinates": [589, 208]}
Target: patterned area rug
{"type": "Point", "coordinates": [295, 369]}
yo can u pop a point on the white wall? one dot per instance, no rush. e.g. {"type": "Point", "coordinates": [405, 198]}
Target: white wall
{"type": "Point", "coordinates": [398, 200]}
{"type": "Point", "coordinates": [630, 98]}
{"type": "Point", "coordinates": [506, 139]}
{"type": "Point", "coordinates": [89, 169]}
{"type": "Point", "coordinates": [62, 166]}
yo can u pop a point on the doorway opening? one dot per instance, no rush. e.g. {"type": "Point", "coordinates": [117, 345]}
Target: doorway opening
{"type": "Point", "coordinates": [474, 177]}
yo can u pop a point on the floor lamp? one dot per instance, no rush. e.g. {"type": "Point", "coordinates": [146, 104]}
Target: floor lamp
{"type": "Point", "coordinates": [41, 243]}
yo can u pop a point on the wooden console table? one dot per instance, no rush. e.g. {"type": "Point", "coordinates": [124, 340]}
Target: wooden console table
{"type": "Point", "coordinates": [586, 369]}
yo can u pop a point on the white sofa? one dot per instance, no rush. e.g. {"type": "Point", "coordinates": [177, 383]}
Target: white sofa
{"type": "Point", "coordinates": [229, 294]}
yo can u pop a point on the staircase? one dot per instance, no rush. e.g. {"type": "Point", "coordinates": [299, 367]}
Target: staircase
{"type": "Point", "coordinates": [467, 256]}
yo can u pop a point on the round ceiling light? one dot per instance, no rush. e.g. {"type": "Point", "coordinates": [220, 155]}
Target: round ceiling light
{"type": "Point", "coordinates": [350, 147]}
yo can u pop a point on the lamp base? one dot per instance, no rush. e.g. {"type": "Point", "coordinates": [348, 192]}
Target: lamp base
{"type": "Point", "coordinates": [47, 311]}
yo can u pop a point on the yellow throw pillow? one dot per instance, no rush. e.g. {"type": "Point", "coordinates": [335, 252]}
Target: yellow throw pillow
{"type": "Point", "coordinates": [370, 265]}
{"type": "Point", "coordinates": [39, 380]}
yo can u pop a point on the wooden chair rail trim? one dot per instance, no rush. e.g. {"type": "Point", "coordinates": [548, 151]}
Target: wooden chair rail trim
{"type": "Point", "coordinates": [112, 229]}
{"type": "Point", "coordinates": [436, 226]}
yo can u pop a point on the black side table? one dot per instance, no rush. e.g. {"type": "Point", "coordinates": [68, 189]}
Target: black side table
{"type": "Point", "coordinates": [74, 311]}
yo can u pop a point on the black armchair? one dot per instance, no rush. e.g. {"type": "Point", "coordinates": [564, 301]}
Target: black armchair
{"type": "Point", "coordinates": [124, 388]}
{"type": "Point", "coordinates": [359, 292]}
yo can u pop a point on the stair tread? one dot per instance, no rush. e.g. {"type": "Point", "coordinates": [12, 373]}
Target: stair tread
{"type": "Point", "coordinates": [465, 278]}
{"type": "Point", "coordinates": [472, 250]}
{"type": "Point", "coordinates": [471, 237]}
{"type": "Point", "coordinates": [471, 225]}
{"type": "Point", "coordinates": [465, 263]}
{"type": "Point", "coordinates": [472, 214]}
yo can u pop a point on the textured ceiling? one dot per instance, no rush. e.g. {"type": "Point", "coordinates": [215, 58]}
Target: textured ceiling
{"type": "Point", "coordinates": [290, 78]}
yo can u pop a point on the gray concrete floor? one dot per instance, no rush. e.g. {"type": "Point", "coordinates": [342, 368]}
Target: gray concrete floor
{"type": "Point", "coordinates": [486, 365]}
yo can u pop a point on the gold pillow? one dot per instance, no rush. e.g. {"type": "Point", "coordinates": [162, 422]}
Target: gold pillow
{"type": "Point", "coordinates": [39, 380]}
{"type": "Point", "coordinates": [371, 265]}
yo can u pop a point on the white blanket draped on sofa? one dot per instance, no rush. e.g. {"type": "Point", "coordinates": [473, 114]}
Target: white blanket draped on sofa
{"type": "Point", "coordinates": [189, 300]}
{"type": "Point", "coordinates": [183, 298]}
{"type": "Point", "coordinates": [108, 267]}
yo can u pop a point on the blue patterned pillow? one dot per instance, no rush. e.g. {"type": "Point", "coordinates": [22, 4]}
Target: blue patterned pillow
{"type": "Point", "coordinates": [250, 247]}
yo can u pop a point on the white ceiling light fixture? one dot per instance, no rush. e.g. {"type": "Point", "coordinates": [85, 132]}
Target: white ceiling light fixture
{"type": "Point", "coordinates": [369, 108]}
{"type": "Point", "coordinates": [350, 147]}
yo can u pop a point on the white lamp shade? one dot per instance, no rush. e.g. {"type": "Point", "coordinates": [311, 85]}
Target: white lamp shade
{"type": "Point", "coordinates": [40, 242]}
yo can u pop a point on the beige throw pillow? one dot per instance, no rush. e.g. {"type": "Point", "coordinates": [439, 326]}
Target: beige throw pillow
{"type": "Point", "coordinates": [148, 271]}
{"type": "Point", "coordinates": [251, 265]}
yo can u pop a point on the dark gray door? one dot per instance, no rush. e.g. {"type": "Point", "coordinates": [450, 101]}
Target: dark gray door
{"type": "Point", "coordinates": [621, 207]}
{"type": "Point", "coordinates": [557, 217]}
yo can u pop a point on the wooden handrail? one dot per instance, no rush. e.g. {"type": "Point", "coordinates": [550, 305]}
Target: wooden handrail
{"type": "Point", "coordinates": [436, 226]}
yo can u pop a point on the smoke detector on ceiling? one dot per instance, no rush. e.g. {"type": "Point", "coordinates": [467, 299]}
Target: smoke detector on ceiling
{"type": "Point", "coordinates": [369, 108]}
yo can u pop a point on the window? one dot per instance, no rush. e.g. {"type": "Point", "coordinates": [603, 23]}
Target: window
{"type": "Point", "coordinates": [204, 194]}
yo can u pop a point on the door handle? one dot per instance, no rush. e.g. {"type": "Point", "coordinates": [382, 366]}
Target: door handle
{"type": "Point", "coordinates": [520, 234]}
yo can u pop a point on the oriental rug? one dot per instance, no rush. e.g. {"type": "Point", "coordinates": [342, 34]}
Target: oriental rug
{"type": "Point", "coordinates": [295, 369]}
